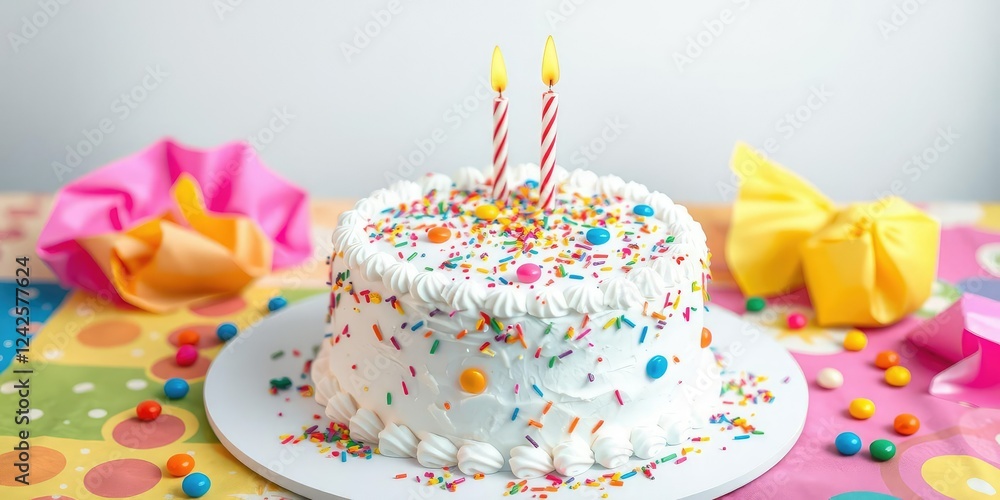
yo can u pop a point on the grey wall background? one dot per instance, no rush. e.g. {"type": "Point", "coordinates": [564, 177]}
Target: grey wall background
{"type": "Point", "coordinates": [846, 92]}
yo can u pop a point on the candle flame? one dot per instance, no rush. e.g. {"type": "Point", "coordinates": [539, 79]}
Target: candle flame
{"type": "Point", "coordinates": [550, 63]}
{"type": "Point", "coordinates": [498, 73]}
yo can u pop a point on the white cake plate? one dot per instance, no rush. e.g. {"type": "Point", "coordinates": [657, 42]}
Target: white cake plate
{"type": "Point", "coordinates": [246, 419]}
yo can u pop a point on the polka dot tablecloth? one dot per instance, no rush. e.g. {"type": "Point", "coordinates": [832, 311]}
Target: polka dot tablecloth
{"type": "Point", "coordinates": [93, 363]}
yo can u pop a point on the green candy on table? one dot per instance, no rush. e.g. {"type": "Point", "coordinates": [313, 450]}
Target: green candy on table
{"type": "Point", "coordinates": [281, 383]}
{"type": "Point", "coordinates": [882, 450]}
{"type": "Point", "coordinates": [755, 304]}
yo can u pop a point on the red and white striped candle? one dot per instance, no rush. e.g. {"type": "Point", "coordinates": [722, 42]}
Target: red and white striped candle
{"type": "Point", "coordinates": [500, 189]}
{"type": "Point", "coordinates": [546, 183]}
{"type": "Point", "coordinates": [498, 80]}
{"type": "Point", "coordinates": [550, 111]}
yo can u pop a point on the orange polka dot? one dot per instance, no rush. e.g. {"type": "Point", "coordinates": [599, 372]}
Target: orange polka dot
{"type": "Point", "coordinates": [46, 464]}
{"type": "Point", "coordinates": [167, 367]}
{"type": "Point", "coordinates": [206, 335]}
{"type": "Point", "coordinates": [110, 333]}
{"type": "Point", "coordinates": [123, 478]}
{"type": "Point", "coordinates": [139, 435]}
{"type": "Point", "coordinates": [219, 306]}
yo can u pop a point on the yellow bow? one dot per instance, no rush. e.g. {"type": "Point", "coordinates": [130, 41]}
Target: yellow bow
{"type": "Point", "coordinates": [869, 264]}
{"type": "Point", "coordinates": [183, 256]}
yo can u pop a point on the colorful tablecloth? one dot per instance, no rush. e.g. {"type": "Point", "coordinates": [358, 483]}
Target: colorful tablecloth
{"type": "Point", "coordinates": [92, 363]}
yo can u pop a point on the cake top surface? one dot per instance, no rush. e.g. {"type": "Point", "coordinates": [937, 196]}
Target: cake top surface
{"type": "Point", "coordinates": [605, 245]}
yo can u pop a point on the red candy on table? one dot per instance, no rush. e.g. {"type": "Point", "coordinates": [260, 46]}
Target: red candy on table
{"type": "Point", "coordinates": [148, 410]}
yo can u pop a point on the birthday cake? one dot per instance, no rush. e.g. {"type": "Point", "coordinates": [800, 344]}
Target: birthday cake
{"type": "Point", "coordinates": [493, 336]}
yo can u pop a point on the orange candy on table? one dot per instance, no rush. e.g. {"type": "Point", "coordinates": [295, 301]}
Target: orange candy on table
{"type": "Point", "coordinates": [906, 424]}
{"type": "Point", "coordinates": [886, 359]}
{"type": "Point", "coordinates": [706, 337]}
{"type": "Point", "coordinates": [439, 234]}
{"type": "Point", "coordinates": [188, 337]}
{"type": "Point", "coordinates": [180, 465]}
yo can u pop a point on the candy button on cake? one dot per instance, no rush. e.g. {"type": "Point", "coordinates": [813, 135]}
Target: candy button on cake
{"type": "Point", "coordinates": [509, 338]}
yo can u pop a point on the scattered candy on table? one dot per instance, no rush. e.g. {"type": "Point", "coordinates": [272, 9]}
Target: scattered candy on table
{"type": "Point", "coordinates": [855, 340]}
{"type": "Point", "coordinates": [529, 273]}
{"type": "Point", "coordinates": [188, 337]}
{"type": "Point", "coordinates": [226, 331]}
{"type": "Point", "coordinates": [862, 408]}
{"type": "Point", "coordinates": [829, 378]}
{"type": "Point", "coordinates": [755, 304]}
{"type": "Point", "coordinates": [186, 355]}
{"type": "Point", "coordinates": [897, 376]}
{"type": "Point", "coordinates": [176, 388]}
{"type": "Point", "coordinates": [796, 321]}
{"type": "Point", "coordinates": [180, 465]}
{"type": "Point", "coordinates": [882, 450]}
{"type": "Point", "coordinates": [886, 359]}
{"type": "Point", "coordinates": [848, 443]}
{"type": "Point", "coordinates": [196, 485]}
{"type": "Point", "coordinates": [276, 303]}
{"type": "Point", "coordinates": [148, 410]}
{"type": "Point", "coordinates": [906, 424]}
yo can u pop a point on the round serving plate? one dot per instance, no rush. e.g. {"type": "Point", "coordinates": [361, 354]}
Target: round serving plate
{"type": "Point", "coordinates": [249, 420]}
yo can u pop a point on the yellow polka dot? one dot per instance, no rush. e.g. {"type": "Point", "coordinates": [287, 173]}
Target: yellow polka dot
{"type": "Point", "coordinates": [961, 476]}
{"type": "Point", "coordinates": [473, 380]}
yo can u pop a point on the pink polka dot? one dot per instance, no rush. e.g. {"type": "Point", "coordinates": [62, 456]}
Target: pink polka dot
{"type": "Point", "coordinates": [206, 335]}
{"type": "Point", "coordinates": [219, 306]}
{"type": "Point", "coordinates": [138, 435]}
{"type": "Point", "coordinates": [167, 367]}
{"type": "Point", "coordinates": [123, 478]}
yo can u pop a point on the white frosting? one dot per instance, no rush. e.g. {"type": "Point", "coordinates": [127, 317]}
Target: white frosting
{"type": "Point", "coordinates": [576, 318]}
{"type": "Point", "coordinates": [479, 458]}
{"type": "Point", "coordinates": [548, 304]}
{"type": "Point", "coordinates": [463, 296]}
{"type": "Point", "coordinates": [428, 286]}
{"type": "Point", "coordinates": [648, 441]}
{"type": "Point", "coordinates": [527, 462]}
{"type": "Point", "coordinates": [397, 441]}
{"type": "Point", "coordinates": [340, 407]}
{"type": "Point", "coordinates": [507, 302]}
{"type": "Point", "coordinates": [365, 426]}
{"type": "Point", "coordinates": [572, 457]}
{"type": "Point", "coordinates": [648, 282]}
{"type": "Point", "coordinates": [436, 452]}
{"type": "Point", "coordinates": [620, 293]}
{"type": "Point", "coordinates": [676, 428]}
{"type": "Point", "coordinates": [584, 298]}
{"type": "Point", "coordinates": [612, 448]}
{"type": "Point", "coordinates": [399, 276]}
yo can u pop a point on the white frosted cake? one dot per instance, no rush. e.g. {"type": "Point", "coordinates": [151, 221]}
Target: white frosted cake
{"type": "Point", "coordinates": [494, 337]}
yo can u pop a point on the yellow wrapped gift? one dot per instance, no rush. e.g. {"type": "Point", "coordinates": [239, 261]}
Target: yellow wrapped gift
{"type": "Point", "coordinates": [869, 264]}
